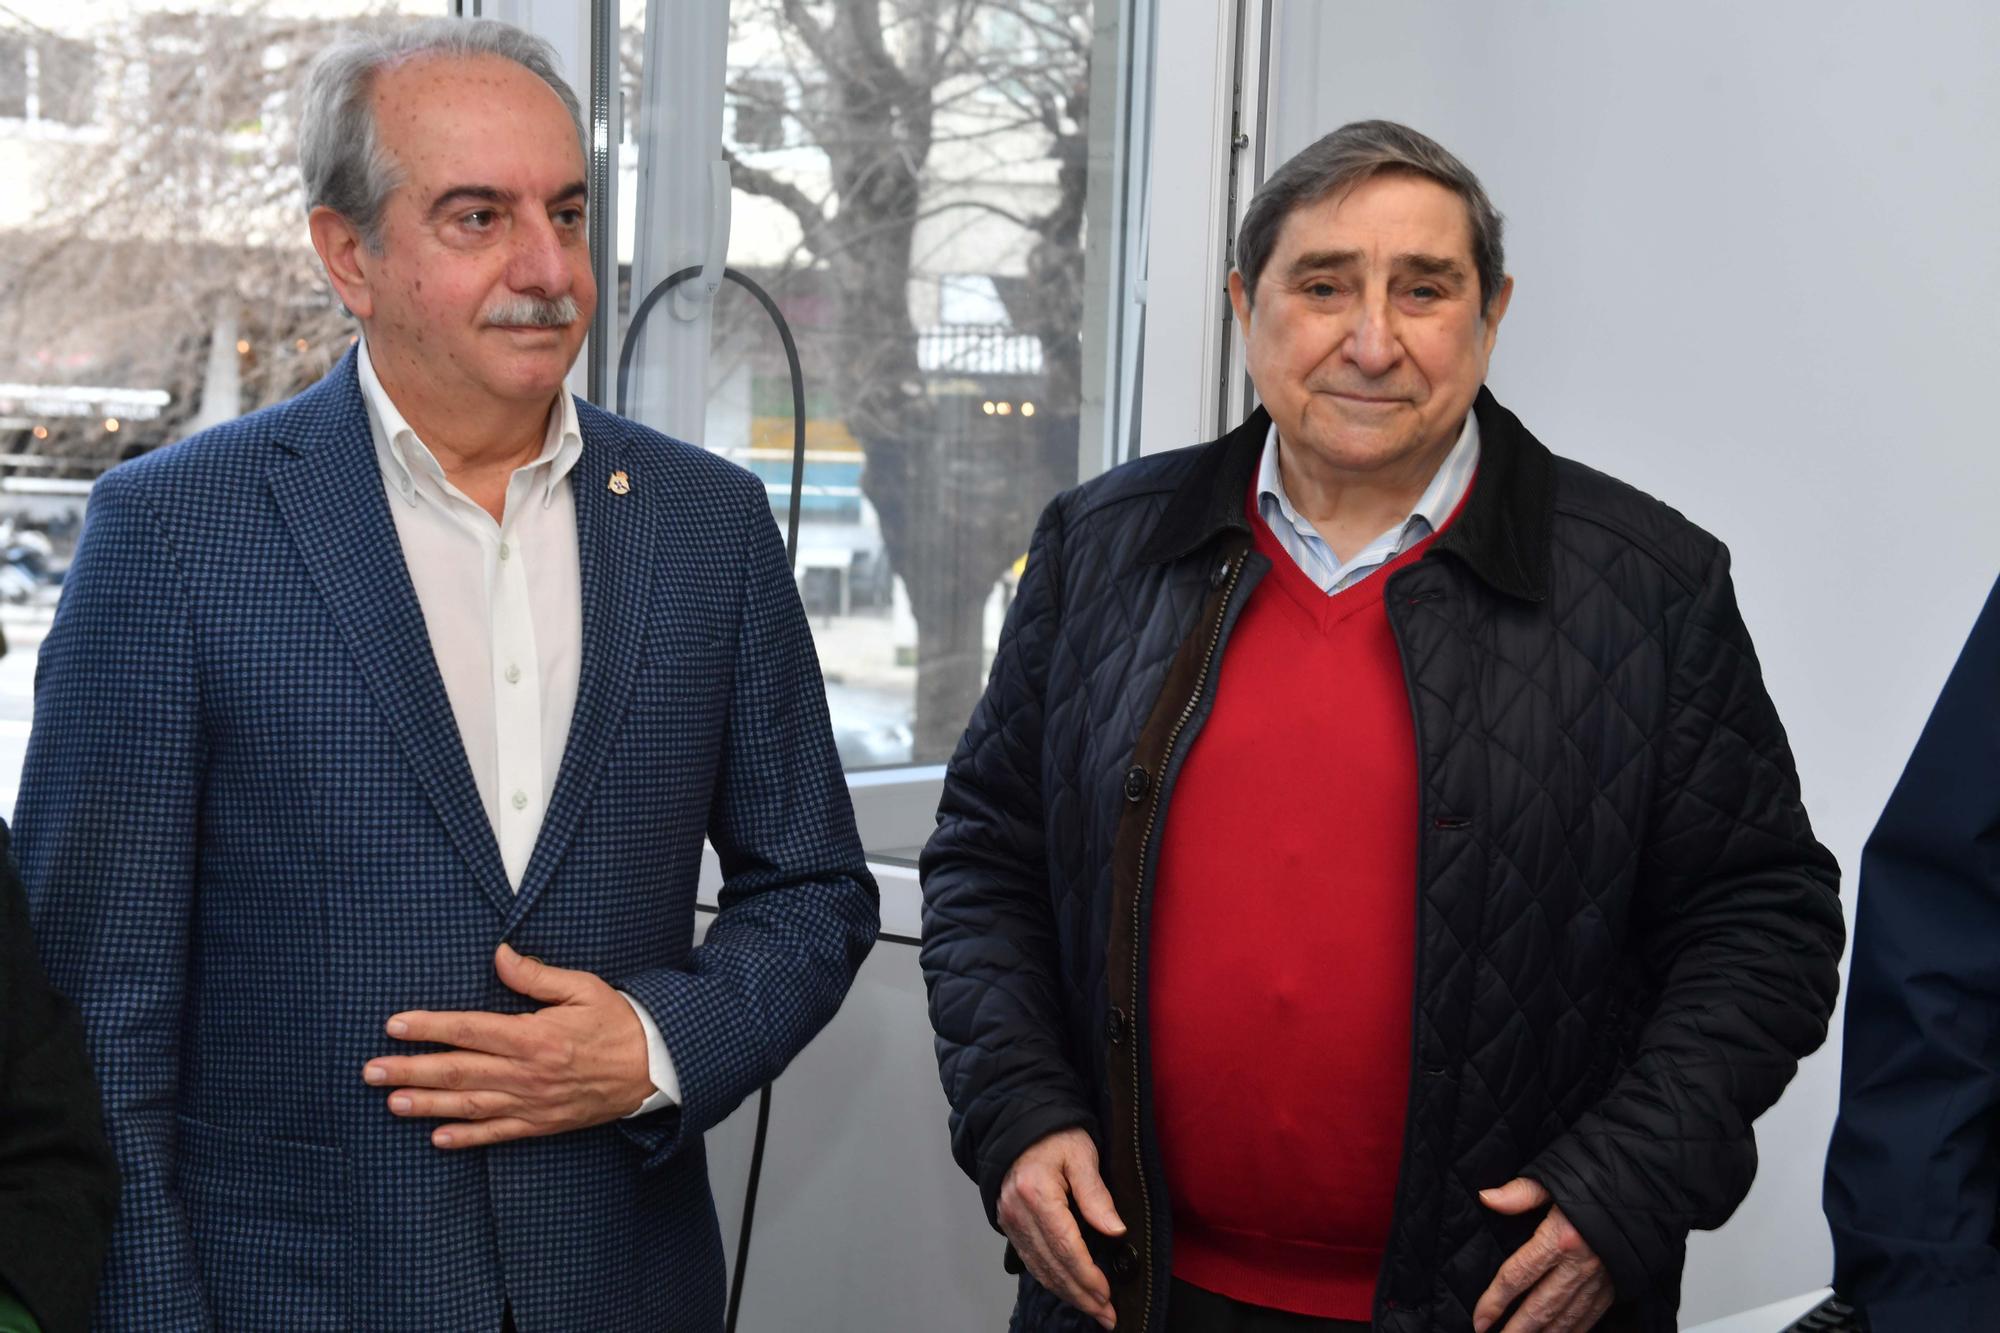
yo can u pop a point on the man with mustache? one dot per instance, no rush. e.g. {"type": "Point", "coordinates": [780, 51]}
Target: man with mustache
{"type": "Point", "coordinates": [1374, 888]}
{"type": "Point", "coordinates": [376, 741]}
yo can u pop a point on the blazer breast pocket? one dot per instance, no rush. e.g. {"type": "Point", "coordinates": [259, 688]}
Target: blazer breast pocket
{"type": "Point", "coordinates": [684, 668]}
{"type": "Point", "coordinates": [273, 1227]}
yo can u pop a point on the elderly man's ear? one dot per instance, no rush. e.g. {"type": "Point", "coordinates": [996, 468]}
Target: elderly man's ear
{"type": "Point", "coordinates": [1498, 311]}
{"type": "Point", "coordinates": [341, 250]}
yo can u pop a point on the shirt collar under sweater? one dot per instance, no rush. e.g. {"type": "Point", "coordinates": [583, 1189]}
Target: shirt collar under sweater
{"type": "Point", "coordinates": [1309, 550]}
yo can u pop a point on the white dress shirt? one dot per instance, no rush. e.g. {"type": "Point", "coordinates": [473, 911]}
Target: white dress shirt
{"type": "Point", "coordinates": [1316, 559]}
{"type": "Point", "coordinates": [503, 605]}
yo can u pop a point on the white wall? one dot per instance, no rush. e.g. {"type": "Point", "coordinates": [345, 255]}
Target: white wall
{"type": "Point", "coordinates": [1757, 277]}
{"type": "Point", "coordinates": [864, 1224]}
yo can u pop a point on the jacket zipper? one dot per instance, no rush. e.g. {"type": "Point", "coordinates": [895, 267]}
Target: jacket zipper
{"type": "Point", "coordinates": [1398, 1207]}
{"type": "Point", "coordinates": [1139, 898]}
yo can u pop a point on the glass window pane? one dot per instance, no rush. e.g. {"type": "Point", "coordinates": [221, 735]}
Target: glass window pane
{"type": "Point", "coordinates": [759, 105]}
{"type": "Point", "coordinates": [155, 273]}
{"type": "Point", "coordinates": [911, 180]}
{"type": "Point", "coordinates": [13, 76]}
{"type": "Point", "coordinates": [65, 80]}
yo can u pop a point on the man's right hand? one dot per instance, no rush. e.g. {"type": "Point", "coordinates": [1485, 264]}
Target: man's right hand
{"type": "Point", "coordinates": [1034, 1212]}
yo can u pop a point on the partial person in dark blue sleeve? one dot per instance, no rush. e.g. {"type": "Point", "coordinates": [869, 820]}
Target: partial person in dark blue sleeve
{"type": "Point", "coordinates": [1913, 1176]}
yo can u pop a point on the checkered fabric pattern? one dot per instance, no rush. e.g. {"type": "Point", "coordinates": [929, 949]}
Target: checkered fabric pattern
{"type": "Point", "coordinates": [1627, 933]}
{"type": "Point", "coordinates": [250, 835]}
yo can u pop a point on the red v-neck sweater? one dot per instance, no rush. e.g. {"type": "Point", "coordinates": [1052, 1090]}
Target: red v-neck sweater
{"type": "Point", "coordinates": [1283, 950]}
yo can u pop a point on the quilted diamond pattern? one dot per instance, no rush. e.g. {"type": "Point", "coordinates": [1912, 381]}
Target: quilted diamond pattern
{"type": "Point", "coordinates": [1627, 933]}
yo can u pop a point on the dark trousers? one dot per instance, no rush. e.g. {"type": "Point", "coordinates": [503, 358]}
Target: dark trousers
{"type": "Point", "coordinates": [1190, 1309]}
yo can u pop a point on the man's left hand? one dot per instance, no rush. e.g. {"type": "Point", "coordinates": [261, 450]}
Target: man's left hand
{"type": "Point", "coordinates": [1566, 1285]}
{"type": "Point", "coordinates": [579, 1062]}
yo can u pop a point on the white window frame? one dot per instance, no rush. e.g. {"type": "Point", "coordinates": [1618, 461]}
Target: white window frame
{"type": "Point", "coordinates": [896, 807]}
{"type": "Point", "coordinates": [1195, 384]}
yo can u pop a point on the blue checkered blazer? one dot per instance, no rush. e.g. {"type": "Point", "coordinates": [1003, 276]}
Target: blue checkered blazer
{"type": "Point", "coordinates": [250, 834]}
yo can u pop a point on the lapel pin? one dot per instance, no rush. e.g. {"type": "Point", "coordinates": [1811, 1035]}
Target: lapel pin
{"type": "Point", "coordinates": [620, 483]}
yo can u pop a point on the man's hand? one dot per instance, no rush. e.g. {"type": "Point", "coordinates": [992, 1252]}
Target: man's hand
{"type": "Point", "coordinates": [1568, 1289]}
{"type": "Point", "coordinates": [1034, 1212]}
{"type": "Point", "coordinates": [577, 1063]}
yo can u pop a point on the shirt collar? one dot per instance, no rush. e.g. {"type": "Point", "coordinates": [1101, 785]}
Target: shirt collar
{"type": "Point", "coordinates": [1440, 498]}
{"type": "Point", "coordinates": [403, 456]}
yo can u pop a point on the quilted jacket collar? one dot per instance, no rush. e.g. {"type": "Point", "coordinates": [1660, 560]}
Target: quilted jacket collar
{"type": "Point", "coordinates": [1503, 534]}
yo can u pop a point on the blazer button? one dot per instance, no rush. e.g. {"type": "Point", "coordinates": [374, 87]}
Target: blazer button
{"type": "Point", "coordinates": [1220, 574]}
{"type": "Point", "coordinates": [1115, 1026]}
{"type": "Point", "coordinates": [1124, 1261]}
{"type": "Point", "coordinates": [1137, 784]}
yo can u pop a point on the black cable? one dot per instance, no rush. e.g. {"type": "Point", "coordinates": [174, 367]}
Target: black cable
{"type": "Point", "coordinates": [638, 320]}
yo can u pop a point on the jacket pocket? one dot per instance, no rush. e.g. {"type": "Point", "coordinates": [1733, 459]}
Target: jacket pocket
{"type": "Point", "coordinates": [679, 705]}
{"type": "Point", "coordinates": [273, 1227]}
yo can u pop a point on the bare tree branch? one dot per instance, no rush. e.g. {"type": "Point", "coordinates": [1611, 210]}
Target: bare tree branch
{"type": "Point", "coordinates": [811, 215]}
{"type": "Point", "coordinates": [976, 205]}
{"type": "Point", "coordinates": [808, 30]}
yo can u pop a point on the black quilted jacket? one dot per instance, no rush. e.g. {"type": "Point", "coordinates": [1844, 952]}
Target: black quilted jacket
{"type": "Point", "coordinates": [1627, 934]}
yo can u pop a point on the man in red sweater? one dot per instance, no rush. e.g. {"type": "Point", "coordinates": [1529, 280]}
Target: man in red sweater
{"type": "Point", "coordinates": [1373, 889]}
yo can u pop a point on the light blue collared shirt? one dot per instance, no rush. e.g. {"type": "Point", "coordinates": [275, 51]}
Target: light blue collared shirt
{"type": "Point", "coordinates": [1316, 559]}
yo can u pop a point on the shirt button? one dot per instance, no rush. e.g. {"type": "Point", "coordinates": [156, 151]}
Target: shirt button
{"type": "Point", "coordinates": [513, 674]}
{"type": "Point", "coordinates": [505, 550]}
{"type": "Point", "coordinates": [520, 800]}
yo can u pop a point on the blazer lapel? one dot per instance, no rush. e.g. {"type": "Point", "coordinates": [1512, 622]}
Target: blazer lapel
{"type": "Point", "coordinates": [614, 535]}
{"type": "Point", "coordinates": [332, 496]}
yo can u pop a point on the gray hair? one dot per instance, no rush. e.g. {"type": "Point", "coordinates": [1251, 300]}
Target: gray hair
{"type": "Point", "coordinates": [1343, 159]}
{"type": "Point", "coordinates": [341, 156]}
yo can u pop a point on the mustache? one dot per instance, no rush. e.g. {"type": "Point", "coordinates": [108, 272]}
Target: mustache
{"type": "Point", "coordinates": [535, 312]}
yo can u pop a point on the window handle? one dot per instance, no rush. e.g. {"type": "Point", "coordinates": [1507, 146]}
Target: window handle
{"type": "Point", "coordinates": [691, 299]}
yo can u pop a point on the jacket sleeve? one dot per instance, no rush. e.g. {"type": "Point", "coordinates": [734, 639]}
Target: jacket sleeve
{"type": "Point", "coordinates": [1913, 1174]}
{"type": "Point", "coordinates": [58, 1184]}
{"type": "Point", "coordinates": [1739, 930]}
{"type": "Point", "coordinates": [799, 910]}
{"type": "Point", "coordinates": [105, 831]}
{"type": "Point", "coordinates": [989, 955]}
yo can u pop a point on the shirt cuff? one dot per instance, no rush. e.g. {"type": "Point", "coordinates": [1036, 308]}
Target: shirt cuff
{"type": "Point", "coordinates": [659, 1065]}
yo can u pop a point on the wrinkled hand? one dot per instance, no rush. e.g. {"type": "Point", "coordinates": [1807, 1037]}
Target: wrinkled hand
{"type": "Point", "coordinates": [579, 1062]}
{"type": "Point", "coordinates": [1034, 1212]}
{"type": "Point", "coordinates": [1568, 1288]}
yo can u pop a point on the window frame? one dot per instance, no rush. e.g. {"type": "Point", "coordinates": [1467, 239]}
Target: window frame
{"type": "Point", "coordinates": [895, 806]}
